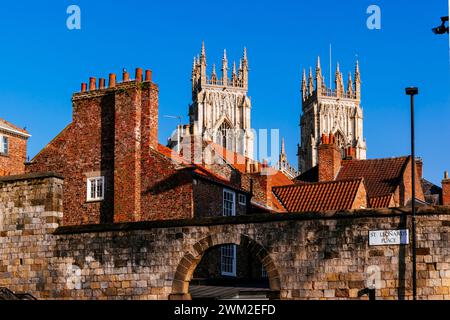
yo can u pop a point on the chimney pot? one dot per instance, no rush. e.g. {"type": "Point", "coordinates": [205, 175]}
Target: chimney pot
{"type": "Point", "coordinates": [83, 87]}
{"type": "Point", "coordinates": [112, 80]}
{"type": "Point", "coordinates": [331, 139]}
{"type": "Point", "coordinates": [148, 75]}
{"type": "Point", "coordinates": [138, 75]}
{"type": "Point", "coordinates": [101, 83]}
{"type": "Point", "coordinates": [125, 76]}
{"type": "Point", "coordinates": [92, 83]}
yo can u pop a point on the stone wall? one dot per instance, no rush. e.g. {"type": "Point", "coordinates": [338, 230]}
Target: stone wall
{"type": "Point", "coordinates": [307, 256]}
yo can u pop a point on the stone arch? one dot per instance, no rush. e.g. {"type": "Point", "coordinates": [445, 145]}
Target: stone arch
{"type": "Point", "coordinates": [188, 264]}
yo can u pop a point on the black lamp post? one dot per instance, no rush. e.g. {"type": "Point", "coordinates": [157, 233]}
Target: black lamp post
{"type": "Point", "coordinates": [412, 91]}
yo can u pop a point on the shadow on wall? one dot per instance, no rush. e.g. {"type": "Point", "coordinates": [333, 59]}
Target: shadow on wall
{"type": "Point", "coordinates": [182, 177]}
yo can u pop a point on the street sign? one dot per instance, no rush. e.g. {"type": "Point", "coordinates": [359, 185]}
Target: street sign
{"type": "Point", "coordinates": [388, 237]}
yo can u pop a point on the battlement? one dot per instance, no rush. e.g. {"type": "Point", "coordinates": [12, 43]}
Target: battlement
{"type": "Point", "coordinates": [238, 79]}
{"type": "Point", "coordinates": [315, 88]}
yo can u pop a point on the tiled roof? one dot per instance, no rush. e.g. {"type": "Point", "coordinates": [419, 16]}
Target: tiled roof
{"type": "Point", "coordinates": [199, 170]}
{"type": "Point", "coordinates": [321, 196]}
{"type": "Point", "coordinates": [381, 176]}
{"type": "Point", "coordinates": [8, 126]}
{"type": "Point", "coordinates": [380, 202]}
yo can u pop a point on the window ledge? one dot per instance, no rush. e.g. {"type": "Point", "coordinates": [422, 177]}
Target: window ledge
{"type": "Point", "coordinates": [94, 200]}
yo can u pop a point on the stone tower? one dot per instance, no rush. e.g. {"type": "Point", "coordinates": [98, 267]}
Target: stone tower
{"type": "Point", "coordinates": [221, 109]}
{"type": "Point", "coordinates": [326, 110]}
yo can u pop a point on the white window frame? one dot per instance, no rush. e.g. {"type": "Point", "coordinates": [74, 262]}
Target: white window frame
{"type": "Point", "coordinates": [264, 272]}
{"type": "Point", "coordinates": [242, 199]}
{"type": "Point", "coordinates": [89, 188]}
{"type": "Point", "coordinates": [227, 252]}
{"type": "Point", "coordinates": [4, 145]}
{"type": "Point", "coordinates": [225, 209]}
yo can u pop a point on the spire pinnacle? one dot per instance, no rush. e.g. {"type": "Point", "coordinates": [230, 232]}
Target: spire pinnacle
{"type": "Point", "coordinates": [245, 53]}
{"type": "Point", "coordinates": [214, 68]}
{"type": "Point", "coordinates": [203, 54]}
{"type": "Point", "coordinates": [310, 82]}
{"type": "Point", "coordinates": [318, 63]}
{"type": "Point", "coordinates": [234, 67]}
{"type": "Point", "coordinates": [224, 54]}
{"type": "Point", "coordinates": [283, 149]}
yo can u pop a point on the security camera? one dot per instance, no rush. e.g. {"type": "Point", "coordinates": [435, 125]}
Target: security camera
{"type": "Point", "coordinates": [442, 29]}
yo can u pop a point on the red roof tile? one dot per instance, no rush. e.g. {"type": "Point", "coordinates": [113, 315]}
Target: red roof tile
{"type": "Point", "coordinates": [197, 169]}
{"type": "Point", "coordinates": [321, 196]}
{"type": "Point", "coordinates": [381, 176]}
{"type": "Point", "coordinates": [380, 202]}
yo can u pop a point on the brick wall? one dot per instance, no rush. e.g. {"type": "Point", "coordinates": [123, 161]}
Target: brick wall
{"type": "Point", "coordinates": [406, 186]}
{"type": "Point", "coordinates": [13, 163]}
{"type": "Point", "coordinates": [208, 199]}
{"type": "Point", "coordinates": [167, 192]}
{"type": "Point", "coordinates": [329, 159]}
{"type": "Point", "coordinates": [361, 200]}
{"type": "Point", "coordinates": [111, 134]}
{"type": "Point", "coordinates": [307, 256]}
{"type": "Point", "coordinates": [446, 192]}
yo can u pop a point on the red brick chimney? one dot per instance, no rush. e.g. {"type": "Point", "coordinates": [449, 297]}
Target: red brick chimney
{"type": "Point", "coordinates": [329, 158]}
{"type": "Point", "coordinates": [350, 153]}
{"type": "Point", "coordinates": [125, 120]}
{"type": "Point", "coordinates": [446, 190]}
{"type": "Point", "coordinates": [419, 167]}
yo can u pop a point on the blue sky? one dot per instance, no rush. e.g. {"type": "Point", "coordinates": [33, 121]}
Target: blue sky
{"type": "Point", "coordinates": [43, 62]}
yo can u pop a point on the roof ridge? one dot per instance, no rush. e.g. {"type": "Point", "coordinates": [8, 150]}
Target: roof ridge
{"type": "Point", "coordinates": [320, 183]}
{"type": "Point", "coordinates": [376, 159]}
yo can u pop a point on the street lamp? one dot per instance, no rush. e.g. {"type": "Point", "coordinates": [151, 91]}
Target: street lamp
{"type": "Point", "coordinates": [442, 29]}
{"type": "Point", "coordinates": [412, 91]}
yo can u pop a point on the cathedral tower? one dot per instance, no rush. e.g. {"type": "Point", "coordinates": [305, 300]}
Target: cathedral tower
{"type": "Point", "coordinates": [326, 110]}
{"type": "Point", "coordinates": [221, 109]}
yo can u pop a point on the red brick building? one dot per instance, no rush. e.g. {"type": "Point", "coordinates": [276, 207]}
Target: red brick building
{"type": "Point", "coordinates": [255, 177]}
{"type": "Point", "coordinates": [114, 169]}
{"type": "Point", "coordinates": [13, 148]}
{"type": "Point", "coordinates": [338, 183]}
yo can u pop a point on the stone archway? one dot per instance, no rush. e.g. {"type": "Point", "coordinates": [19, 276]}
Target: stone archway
{"type": "Point", "coordinates": [189, 262]}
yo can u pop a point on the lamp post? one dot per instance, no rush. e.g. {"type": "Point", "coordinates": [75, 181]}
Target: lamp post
{"type": "Point", "coordinates": [412, 91]}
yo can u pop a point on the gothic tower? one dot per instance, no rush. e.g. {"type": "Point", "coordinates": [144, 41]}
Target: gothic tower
{"type": "Point", "coordinates": [220, 108]}
{"type": "Point", "coordinates": [326, 110]}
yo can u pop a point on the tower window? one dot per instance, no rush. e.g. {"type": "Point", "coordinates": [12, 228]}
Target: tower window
{"type": "Point", "coordinates": [95, 189]}
{"type": "Point", "coordinates": [340, 142]}
{"type": "Point", "coordinates": [224, 136]}
{"type": "Point", "coordinates": [4, 145]}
